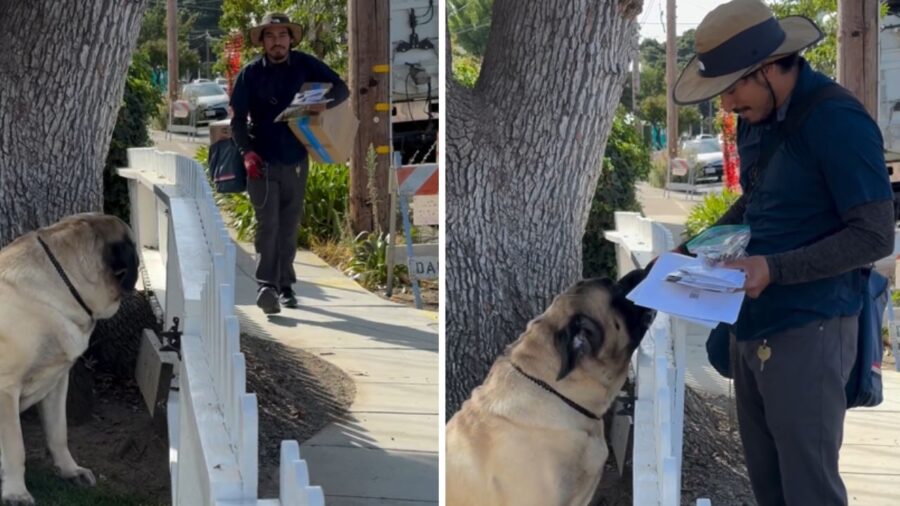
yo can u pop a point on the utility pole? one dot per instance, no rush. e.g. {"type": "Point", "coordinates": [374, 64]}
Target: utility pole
{"type": "Point", "coordinates": [208, 63]}
{"type": "Point", "coordinates": [636, 84]}
{"type": "Point", "coordinates": [857, 60]}
{"type": "Point", "coordinates": [368, 22]}
{"type": "Point", "coordinates": [172, 46]}
{"type": "Point", "coordinates": [671, 75]}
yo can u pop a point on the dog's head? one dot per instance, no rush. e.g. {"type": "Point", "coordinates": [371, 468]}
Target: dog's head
{"type": "Point", "coordinates": [592, 324]}
{"type": "Point", "coordinates": [102, 250]}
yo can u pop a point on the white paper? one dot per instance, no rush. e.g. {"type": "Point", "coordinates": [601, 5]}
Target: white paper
{"type": "Point", "coordinates": [715, 276]}
{"type": "Point", "coordinates": [688, 303]}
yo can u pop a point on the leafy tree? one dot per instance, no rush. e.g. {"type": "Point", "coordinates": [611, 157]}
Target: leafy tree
{"type": "Point", "coordinates": [823, 57]}
{"type": "Point", "coordinates": [324, 24]}
{"type": "Point", "coordinates": [684, 47]}
{"type": "Point", "coordinates": [626, 161]}
{"type": "Point", "coordinates": [470, 24]}
{"type": "Point", "coordinates": [689, 119]}
{"type": "Point", "coordinates": [653, 109]}
{"type": "Point", "coordinates": [466, 69]}
{"type": "Point", "coordinates": [152, 40]}
{"type": "Point", "coordinates": [653, 53]}
{"type": "Point", "coordinates": [138, 104]}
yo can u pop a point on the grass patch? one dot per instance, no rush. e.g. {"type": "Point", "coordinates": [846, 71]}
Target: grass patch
{"type": "Point", "coordinates": [49, 489]}
{"type": "Point", "coordinates": [335, 253]}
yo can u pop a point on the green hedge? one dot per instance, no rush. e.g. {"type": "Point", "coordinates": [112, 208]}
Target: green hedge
{"type": "Point", "coordinates": [626, 162]}
{"type": "Point", "coordinates": [139, 102]}
{"type": "Point", "coordinates": [708, 212]}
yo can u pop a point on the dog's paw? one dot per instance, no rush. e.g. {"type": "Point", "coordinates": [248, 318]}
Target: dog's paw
{"type": "Point", "coordinates": [20, 499]}
{"type": "Point", "coordinates": [80, 476]}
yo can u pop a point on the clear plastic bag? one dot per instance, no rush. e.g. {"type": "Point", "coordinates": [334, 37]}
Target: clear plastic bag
{"type": "Point", "coordinates": [720, 244]}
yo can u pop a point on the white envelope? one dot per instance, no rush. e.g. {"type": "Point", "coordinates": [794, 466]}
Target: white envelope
{"type": "Point", "coordinates": [689, 303]}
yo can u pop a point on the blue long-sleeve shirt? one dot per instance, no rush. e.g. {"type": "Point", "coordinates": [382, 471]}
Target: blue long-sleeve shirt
{"type": "Point", "coordinates": [262, 90]}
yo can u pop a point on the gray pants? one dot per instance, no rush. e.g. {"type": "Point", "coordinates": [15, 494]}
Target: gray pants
{"type": "Point", "coordinates": [791, 413]}
{"type": "Point", "coordinates": [277, 199]}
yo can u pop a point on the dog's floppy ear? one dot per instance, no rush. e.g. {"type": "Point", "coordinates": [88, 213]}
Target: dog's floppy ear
{"type": "Point", "coordinates": [122, 259]}
{"type": "Point", "coordinates": [631, 280]}
{"type": "Point", "coordinates": [581, 336]}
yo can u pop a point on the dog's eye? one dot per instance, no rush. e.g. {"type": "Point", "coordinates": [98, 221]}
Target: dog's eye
{"type": "Point", "coordinates": [617, 326]}
{"type": "Point", "coordinates": [119, 274]}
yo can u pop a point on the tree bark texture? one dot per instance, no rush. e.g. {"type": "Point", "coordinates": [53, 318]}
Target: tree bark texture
{"type": "Point", "coordinates": [62, 73]}
{"type": "Point", "coordinates": [524, 152]}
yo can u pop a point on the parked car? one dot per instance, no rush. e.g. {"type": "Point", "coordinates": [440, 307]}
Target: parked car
{"type": "Point", "coordinates": [210, 100]}
{"type": "Point", "coordinates": [709, 157]}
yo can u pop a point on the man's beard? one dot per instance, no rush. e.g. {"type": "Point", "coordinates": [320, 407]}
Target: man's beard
{"type": "Point", "coordinates": [278, 57]}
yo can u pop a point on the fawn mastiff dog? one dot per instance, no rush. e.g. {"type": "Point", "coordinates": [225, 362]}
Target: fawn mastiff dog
{"type": "Point", "coordinates": [55, 283]}
{"type": "Point", "coordinates": [532, 433]}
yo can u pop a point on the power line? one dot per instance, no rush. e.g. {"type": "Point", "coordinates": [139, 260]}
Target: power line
{"type": "Point", "coordinates": [647, 12]}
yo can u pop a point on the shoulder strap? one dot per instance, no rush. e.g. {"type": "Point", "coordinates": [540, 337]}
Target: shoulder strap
{"type": "Point", "coordinates": [796, 115]}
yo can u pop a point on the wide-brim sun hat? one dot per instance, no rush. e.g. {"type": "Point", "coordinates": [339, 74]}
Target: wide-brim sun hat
{"type": "Point", "coordinates": [274, 20]}
{"type": "Point", "coordinates": [734, 40]}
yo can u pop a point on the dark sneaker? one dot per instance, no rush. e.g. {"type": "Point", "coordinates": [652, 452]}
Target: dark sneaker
{"type": "Point", "coordinates": [267, 300]}
{"type": "Point", "coordinates": [288, 299]}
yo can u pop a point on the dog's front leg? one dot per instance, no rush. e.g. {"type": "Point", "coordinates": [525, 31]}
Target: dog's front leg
{"type": "Point", "coordinates": [53, 417]}
{"type": "Point", "coordinates": [12, 451]}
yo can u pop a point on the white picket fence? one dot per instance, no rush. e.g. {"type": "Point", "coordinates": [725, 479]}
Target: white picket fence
{"type": "Point", "coordinates": [190, 260]}
{"type": "Point", "coordinates": [659, 366]}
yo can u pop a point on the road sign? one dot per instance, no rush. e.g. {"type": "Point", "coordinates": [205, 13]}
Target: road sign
{"type": "Point", "coordinates": [181, 109]}
{"type": "Point", "coordinates": [425, 210]}
{"type": "Point", "coordinates": [680, 167]}
{"type": "Point", "coordinates": [423, 267]}
{"type": "Point", "coordinates": [418, 179]}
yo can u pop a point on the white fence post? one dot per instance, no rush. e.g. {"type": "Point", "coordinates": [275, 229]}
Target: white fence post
{"type": "Point", "coordinates": [659, 368]}
{"type": "Point", "coordinates": [213, 420]}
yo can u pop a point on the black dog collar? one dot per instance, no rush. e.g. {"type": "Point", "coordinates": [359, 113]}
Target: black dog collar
{"type": "Point", "coordinates": [572, 404]}
{"type": "Point", "coordinates": [65, 278]}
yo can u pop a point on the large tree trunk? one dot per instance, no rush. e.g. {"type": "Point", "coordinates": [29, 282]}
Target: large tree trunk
{"type": "Point", "coordinates": [524, 151]}
{"type": "Point", "coordinates": [62, 72]}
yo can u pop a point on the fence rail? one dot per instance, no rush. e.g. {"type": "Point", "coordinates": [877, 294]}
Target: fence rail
{"type": "Point", "coordinates": [190, 259]}
{"type": "Point", "coordinates": [659, 366]}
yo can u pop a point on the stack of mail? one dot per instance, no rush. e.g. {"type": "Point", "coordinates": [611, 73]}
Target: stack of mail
{"type": "Point", "coordinates": [701, 294]}
{"type": "Point", "coordinates": [715, 279]}
{"type": "Point", "coordinates": [302, 100]}
{"type": "Point", "coordinates": [311, 96]}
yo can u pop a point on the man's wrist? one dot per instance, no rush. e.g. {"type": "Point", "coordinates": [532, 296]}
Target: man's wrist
{"type": "Point", "coordinates": [774, 263]}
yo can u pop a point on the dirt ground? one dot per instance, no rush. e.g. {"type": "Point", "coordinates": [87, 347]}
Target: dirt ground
{"type": "Point", "coordinates": [713, 459]}
{"type": "Point", "coordinates": [298, 394]}
{"type": "Point", "coordinates": [404, 295]}
{"type": "Point", "coordinates": [119, 443]}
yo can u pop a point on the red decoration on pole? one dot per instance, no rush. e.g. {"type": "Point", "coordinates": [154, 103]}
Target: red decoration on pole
{"type": "Point", "coordinates": [233, 57]}
{"type": "Point", "coordinates": [731, 159]}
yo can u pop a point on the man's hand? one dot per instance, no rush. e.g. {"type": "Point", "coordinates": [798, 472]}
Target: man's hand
{"type": "Point", "coordinates": [757, 270]}
{"type": "Point", "coordinates": [254, 165]}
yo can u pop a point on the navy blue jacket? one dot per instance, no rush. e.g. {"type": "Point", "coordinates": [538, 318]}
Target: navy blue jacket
{"type": "Point", "coordinates": [262, 90]}
{"type": "Point", "coordinates": [833, 163]}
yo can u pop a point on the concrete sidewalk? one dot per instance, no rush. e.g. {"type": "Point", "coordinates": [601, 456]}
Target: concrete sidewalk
{"type": "Point", "coordinates": [387, 451]}
{"type": "Point", "coordinates": [870, 456]}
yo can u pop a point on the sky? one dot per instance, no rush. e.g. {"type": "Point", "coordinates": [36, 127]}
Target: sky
{"type": "Point", "coordinates": [689, 13]}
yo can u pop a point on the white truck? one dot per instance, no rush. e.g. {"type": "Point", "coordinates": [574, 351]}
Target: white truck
{"type": "Point", "coordinates": [414, 79]}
